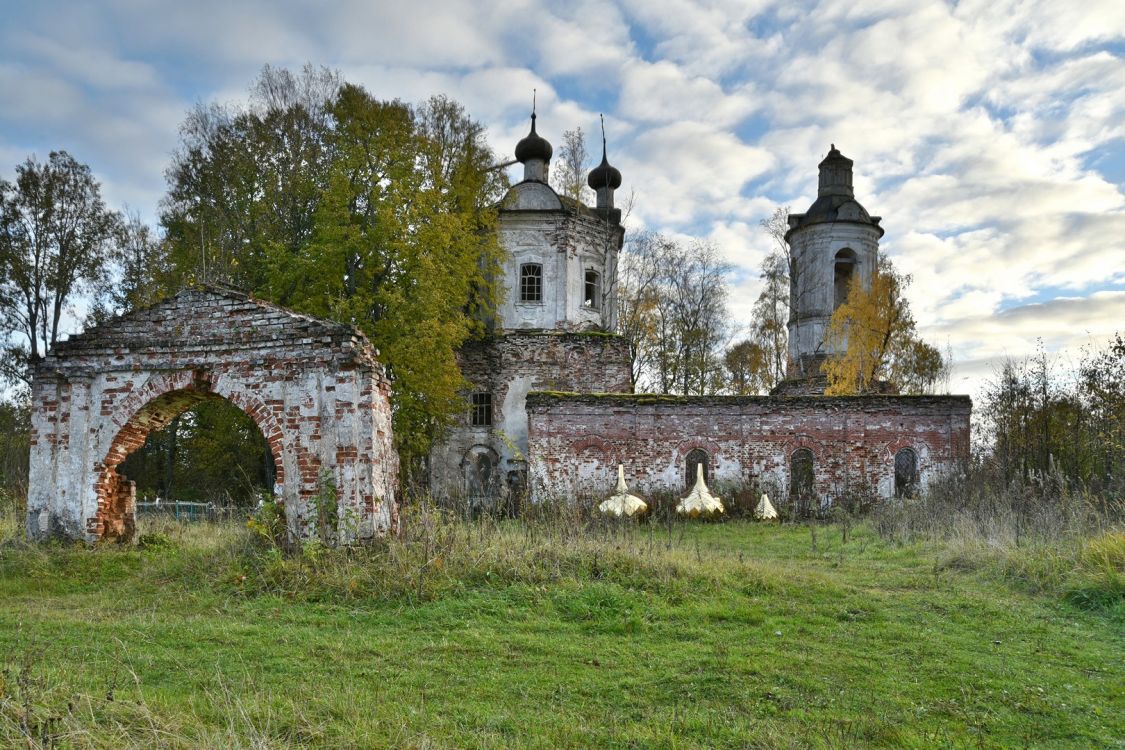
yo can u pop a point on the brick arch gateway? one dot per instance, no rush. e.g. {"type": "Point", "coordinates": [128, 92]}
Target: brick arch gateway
{"type": "Point", "coordinates": [314, 388]}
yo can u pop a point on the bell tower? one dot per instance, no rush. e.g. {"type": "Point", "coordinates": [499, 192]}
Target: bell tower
{"type": "Point", "coordinates": [829, 245]}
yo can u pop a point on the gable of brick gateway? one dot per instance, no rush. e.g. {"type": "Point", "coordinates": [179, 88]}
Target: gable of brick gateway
{"type": "Point", "coordinates": [210, 325]}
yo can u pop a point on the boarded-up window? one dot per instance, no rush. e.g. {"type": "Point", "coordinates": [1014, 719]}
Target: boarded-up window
{"type": "Point", "coordinates": [906, 472]}
{"type": "Point", "coordinates": [480, 471]}
{"type": "Point", "coordinates": [531, 282]}
{"type": "Point", "coordinates": [802, 482]}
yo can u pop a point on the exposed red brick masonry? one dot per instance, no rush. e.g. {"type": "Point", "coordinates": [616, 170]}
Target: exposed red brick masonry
{"type": "Point", "coordinates": [576, 441]}
{"type": "Point", "coordinates": [314, 388]}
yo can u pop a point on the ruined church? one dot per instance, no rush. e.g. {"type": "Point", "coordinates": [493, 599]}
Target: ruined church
{"type": "Point", "coordinates": [552, 410]}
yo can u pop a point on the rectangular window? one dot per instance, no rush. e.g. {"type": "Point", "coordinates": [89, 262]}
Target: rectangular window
{"type": "Point", "coordinates": [480, 414]}
{"type": "Point", "coordinates": [593, 292]}
{"type": "Point", "coordinates": [531, 282]}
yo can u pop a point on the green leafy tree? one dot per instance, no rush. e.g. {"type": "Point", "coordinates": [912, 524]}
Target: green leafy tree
{"type": "Point", "coordinates": [212, 452]}
{"type": "Point", "coordinates": [146, 274]}
{"type": "Point", "coordinates": [56, 242]}
{"type": "Point", "coordinates": [324, 199]}
{"type": "Point", "coordinates": [15, 444]}
{"type": "Point", "coordinates": [404, 248]}
{"type": "Point", "coordinates": [672, 306]}
{"type": "Point", "coordinates": [1101, 389]}
{"type": "Point", "coordinates": [640, 270]}
{"type": "Point", "coordinates": [747, 366]}
{"type": "Point", "coordinates": [246, 183]}
{"type": "Point", "coordinates": [770, 329]}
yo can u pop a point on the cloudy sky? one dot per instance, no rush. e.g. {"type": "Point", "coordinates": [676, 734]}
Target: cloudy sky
{"type": "Point", "coordinates": [989, 134]}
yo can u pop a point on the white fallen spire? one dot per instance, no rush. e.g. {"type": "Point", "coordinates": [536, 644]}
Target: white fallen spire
{"type": "Point", "coordinates": [765, 510]}
{"type": "Point", "coordinates": [621, 503]}
{"type": "Point", "coordinates": [700, 501]}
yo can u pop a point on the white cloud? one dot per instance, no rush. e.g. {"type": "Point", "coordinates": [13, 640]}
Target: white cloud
{"type": "Point", "coordinates": [979, 129]}
{"type": "Point", "coordinates": [87, 64]}
{"type": "Point", "coordinates": [1065, 326]}
{"type": "Point", "coordinates": [689, 171]}
{"type": "Point", "coordinates": [665, 92]}
{"type": "Point", "coordinates": [709, 38]}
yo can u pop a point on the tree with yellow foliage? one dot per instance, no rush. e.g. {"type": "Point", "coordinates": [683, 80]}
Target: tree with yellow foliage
{"type": "Point", "coordinates": [874, 340]}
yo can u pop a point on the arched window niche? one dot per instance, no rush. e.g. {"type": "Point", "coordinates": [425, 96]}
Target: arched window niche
{"type": "Point", "coordinates": [592, 290]}
{"type": "Point", "coordinates": [802, 482]}
{"type": "Point", "coordinates": [480, 470]}
{"type": "Point", "coordinates": [843, 271]}
{"type": "Point", "coordinates": [531, 282]}
{"type": "Point", "coordinates": [694, 458]}
{"type": "Point", "coordinates": [906, 473]}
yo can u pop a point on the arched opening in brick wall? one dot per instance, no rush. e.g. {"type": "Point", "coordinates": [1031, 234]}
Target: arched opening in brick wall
{"type": "Point", "coordinates": [480, 469]}
{"type": "Point", "coordinates": [210, 459]}
{"type": "Point", "coordinates": [802, 482]}
{"type": "Point", "coordinates": [696, 457]}
{"type": "Point", "coordinates": [906, 472]}
{"type": "Point", "coordinates": [314, 388]}
{"type": "Point", "coordinates": [116, 491]}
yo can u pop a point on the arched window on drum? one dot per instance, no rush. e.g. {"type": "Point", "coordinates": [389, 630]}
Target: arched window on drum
{"type": "Point", "coordinates": [842, 273]}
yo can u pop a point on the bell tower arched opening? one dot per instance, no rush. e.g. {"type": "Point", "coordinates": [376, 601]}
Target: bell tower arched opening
{"type": "Point", "coordinates": [843, 271]}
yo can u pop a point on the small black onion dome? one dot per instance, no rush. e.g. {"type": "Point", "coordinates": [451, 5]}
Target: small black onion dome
{"type": "Point", "coordinates": [604, 175]}
{"type": "Point", "coordinates": [533, 146]}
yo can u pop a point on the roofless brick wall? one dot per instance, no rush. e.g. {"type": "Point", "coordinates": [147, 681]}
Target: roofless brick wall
{"type": "Point", "coordinates": [314, 388]}
{"type": "Point", "coordinates": [576, 441]}
{"type": "Point", "coordinates": [506, 367]}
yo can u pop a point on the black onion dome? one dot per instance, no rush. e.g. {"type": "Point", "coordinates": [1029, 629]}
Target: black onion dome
{"type": "Point", "coordinates": [533, 146]}
{"type": "Point", "coordinates": [604, 175]}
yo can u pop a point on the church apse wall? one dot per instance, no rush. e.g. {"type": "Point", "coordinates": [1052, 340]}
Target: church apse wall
{"type": "Point", "coordinates": [577, 440]}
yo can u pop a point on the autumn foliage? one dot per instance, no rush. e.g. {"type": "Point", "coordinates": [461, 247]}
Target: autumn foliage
{"type": "Point", "coordinates": [873, 337]}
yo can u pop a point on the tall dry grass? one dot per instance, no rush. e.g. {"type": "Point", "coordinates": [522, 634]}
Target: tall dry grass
{"type": "Point", "coordinates": [1048, 534]}
{"type": "Point", "coordinates": [439, 551]}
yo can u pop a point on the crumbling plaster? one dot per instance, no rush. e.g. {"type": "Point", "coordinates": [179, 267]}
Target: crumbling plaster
{"type": "Point", "coordinates": [509, 366]}
{"type": "Point", "coordinates": [576, 440]}
{"type": "Point", "coordinates": [314, 388]}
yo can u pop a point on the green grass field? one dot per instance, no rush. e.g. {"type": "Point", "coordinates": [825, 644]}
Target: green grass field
{"type": "Point", "coordinates": [504, 636]}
